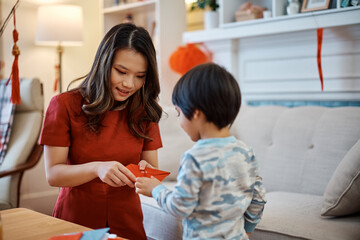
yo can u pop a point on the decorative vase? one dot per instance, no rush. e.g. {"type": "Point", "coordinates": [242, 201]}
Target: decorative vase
{"type": "Point", "coordinates": [211, 19]}
{"type": "Point", "coordinates": [293, 7]}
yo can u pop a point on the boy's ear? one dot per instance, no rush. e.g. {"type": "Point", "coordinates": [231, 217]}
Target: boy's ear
{"type": "Point", "coordinates": [198, 114]}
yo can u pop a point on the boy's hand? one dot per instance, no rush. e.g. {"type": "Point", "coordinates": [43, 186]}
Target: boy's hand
{"type": "Point", "coordinates": [145, 185]}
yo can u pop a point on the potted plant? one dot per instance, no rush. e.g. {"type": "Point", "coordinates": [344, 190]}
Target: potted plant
{"type": "Point", "coordinates": [212, 4]}
{"type": "Point", "coordinates": [211, 18]}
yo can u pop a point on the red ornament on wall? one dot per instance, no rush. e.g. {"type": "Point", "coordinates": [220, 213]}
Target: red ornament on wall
{"type": "Point", "coordinates": [318, 56]}
{"type": "Point", "coordinates": [187, 57]}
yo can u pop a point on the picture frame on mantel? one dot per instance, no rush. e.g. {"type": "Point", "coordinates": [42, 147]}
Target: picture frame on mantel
{"type": "Point", "coordinates": [314, 5]}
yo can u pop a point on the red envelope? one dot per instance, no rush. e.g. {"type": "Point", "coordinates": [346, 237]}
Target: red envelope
{"type": "Point", "coordinates": [148, 172]}
{"type": "Point", "coordinates": [75, 236]}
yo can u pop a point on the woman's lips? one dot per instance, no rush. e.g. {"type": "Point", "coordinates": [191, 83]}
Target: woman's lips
{"type": "Point", "coordinates": [122, 92]}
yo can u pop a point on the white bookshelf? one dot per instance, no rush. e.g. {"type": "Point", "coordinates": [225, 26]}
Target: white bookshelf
{"type": "Point", "coordinates": [228, 8]}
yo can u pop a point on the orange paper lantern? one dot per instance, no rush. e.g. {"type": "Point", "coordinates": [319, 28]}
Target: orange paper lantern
{"type": "Point", "coordinates": [187, 57]}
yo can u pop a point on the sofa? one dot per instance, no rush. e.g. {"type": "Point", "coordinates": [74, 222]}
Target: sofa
{"type": "Point", "coordinates": [309, 159]}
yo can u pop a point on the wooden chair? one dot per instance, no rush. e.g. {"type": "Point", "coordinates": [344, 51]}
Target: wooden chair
{"type": "Point", "coordinates": [23, 150]}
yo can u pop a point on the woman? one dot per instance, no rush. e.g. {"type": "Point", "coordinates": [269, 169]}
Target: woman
{"type": "Point", "coordinates": [92, 132]}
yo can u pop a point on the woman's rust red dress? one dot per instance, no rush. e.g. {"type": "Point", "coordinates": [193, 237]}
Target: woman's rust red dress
{"type": "Point", "coordinates": [96, 204]}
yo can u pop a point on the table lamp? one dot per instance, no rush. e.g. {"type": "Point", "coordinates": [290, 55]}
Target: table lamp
{"type": "Point", "coordinates": [59, 25]}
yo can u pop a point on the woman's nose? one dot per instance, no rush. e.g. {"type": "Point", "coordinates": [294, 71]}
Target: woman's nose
{"type": "Point", "coordinates": [128, 81]}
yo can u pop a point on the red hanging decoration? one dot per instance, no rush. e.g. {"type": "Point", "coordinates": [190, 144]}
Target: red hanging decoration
{"type": "Point", "coordinates": [187, 57]}
{"type": "Point", "coordinates": [57, 77]}
{"type": "Point", "coordinates": [319, 45]}
{"type": "Point", "coordinates": [15, 82]}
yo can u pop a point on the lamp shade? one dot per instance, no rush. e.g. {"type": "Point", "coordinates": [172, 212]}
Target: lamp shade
{"type": "Point", "coordinates": [59, 24]}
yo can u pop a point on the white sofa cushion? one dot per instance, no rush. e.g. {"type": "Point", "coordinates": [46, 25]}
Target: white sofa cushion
{"type": "Point", "coordinates": [297, 216]}
{"type": "Point", "coordinates": [342, 194]}
{"type": "Point", "coordinates": [309, 142]}
{"type": "Point", "coordinates": [167, 226]}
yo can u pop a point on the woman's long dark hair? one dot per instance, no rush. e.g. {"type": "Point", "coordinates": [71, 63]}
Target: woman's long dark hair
{"type": "Point", "coordinates": [96, 88]}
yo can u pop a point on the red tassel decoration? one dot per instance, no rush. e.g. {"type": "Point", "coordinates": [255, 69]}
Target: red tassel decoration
{"type": "Point", "coordinates": [15, 82]}
{"type": "Point", "coordinates": [319, 45]}
{"type": "Point", "coordinates": [57, 77]}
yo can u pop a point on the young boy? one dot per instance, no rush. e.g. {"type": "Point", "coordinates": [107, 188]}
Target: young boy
{"type": "Point", "coordinates": [218, 192]}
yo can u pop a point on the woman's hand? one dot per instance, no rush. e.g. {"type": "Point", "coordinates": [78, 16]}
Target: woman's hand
{"type": "Point", "coordinates": [144, 164]}
{"type": "Point", "coordinates": [145, 185]}
{"type": "Point", "coordinates": [115, 174]}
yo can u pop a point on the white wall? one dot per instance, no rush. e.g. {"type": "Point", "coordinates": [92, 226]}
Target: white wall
{"type": "Point", "coordinates": [36, 61]}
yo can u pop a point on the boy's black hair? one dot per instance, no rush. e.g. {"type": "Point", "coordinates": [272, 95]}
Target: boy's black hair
{"type": "Point", "coordinates": [211, 89]}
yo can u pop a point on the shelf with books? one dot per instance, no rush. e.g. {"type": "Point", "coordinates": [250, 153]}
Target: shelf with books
{"type": "Point", "coordinates": [280, 24]}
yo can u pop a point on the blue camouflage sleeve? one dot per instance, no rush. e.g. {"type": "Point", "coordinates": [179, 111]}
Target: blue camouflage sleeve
{"type": "Point", "coordinates": [254, 212]}
{"type": "Point", "coordinates": [184, 198]}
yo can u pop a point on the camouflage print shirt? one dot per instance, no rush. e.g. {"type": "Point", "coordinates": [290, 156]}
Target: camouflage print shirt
{"type": "Point", "coordinates": [218, 193]}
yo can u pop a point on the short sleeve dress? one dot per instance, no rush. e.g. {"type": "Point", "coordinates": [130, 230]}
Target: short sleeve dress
{"type": "Point", "coordinates": [96, 204]}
